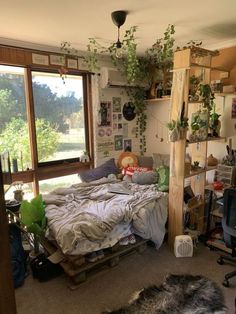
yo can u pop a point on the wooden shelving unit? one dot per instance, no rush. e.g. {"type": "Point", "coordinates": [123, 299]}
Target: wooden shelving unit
{"type": "Point", "coordinates": [157, 99]}
{"type": "Point", "coordinates": [187, 62]}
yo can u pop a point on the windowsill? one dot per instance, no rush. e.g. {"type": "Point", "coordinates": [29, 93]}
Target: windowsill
{"type": "Point", "coordinates": [52, 171]}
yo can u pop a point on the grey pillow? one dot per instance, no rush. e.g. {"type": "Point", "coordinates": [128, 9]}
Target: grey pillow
{"type": "Point", "coordinates": [145, 161]}
{"type": "Point", "coordinates": [149, 177]}
{"type": "Point", "coordinates": [160, 160]}
{"type": "Point", "coordinates": [99, 172]}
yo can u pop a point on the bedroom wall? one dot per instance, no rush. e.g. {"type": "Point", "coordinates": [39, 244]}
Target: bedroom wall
{"type": "Point", "coordinates": [107, 138]}
{"type": "Point", "coordinates": [228, 126]}
{"type": "Point", "coordinates": [157, 116]}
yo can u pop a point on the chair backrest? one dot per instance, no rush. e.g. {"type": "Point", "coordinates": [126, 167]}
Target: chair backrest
{"type": "Point", "coordinates": [229, 213]}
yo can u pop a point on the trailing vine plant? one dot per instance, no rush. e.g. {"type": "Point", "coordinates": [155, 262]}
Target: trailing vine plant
{"type": "Point", "coordinates": [136, 69]}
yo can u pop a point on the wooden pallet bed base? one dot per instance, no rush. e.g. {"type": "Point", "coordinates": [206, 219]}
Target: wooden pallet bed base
{"type": "Point", "coordinates": [77, 268]}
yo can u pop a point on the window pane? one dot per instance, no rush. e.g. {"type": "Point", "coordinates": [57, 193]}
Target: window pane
{"type": "Point", "coordinates": [59, 114]}
{"type": "Point", "coordinates": [14, 134]}
{"type": "Point", "coordinates": [27, 188]}
{"type": "Point", "coordinates": [46, 186]}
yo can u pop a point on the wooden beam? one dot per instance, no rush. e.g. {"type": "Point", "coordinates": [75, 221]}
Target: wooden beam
{"type": "Point", "coordinates": [7, 295]}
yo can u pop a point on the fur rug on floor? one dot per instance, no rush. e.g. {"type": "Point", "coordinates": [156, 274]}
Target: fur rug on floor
{"type": "Point", "coordinates": [179, 294]}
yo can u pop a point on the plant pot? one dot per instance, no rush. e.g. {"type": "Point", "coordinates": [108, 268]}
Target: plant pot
{"type": "Point", "coordinates": [152, 92]}
{"type": "Point", "coordinates": [212, 161]}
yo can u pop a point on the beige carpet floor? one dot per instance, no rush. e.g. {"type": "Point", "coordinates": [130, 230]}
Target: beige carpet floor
{"type": "Point", "coordinates": [113, 287]}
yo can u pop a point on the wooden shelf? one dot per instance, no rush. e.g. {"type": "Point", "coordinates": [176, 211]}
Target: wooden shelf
{"type": "Point", "coordinates": [224, 94]}
{"type": "Point", "coordinates": [157, 99]}
{"type": "Point", "coordinates": [196, 65]}
{"type": "Point", "coordinates": [209, 139]}
{"type": "Point", "coordinates": [219, 245]}
{"type": "Point", "coordinates": [197, 172]}
{"type": "Point", "coordinates": [217, 213]}
{"type": "Point", "coordinates": [195, 102]}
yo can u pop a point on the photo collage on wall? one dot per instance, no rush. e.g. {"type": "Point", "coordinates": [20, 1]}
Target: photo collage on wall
{"type": "Point", "coordinates": [112, 128]}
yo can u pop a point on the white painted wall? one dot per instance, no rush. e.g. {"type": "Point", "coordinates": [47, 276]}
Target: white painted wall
{"type": "Point", "coordinates": [228, 127]}
{"type": "Point", "coordinates": [106, 94]}
{"type": "Point", "coordinates": [157, 116]}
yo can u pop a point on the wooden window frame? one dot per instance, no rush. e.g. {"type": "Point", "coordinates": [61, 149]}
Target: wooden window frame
{"type": "Point", "coordinates": [14, 56]}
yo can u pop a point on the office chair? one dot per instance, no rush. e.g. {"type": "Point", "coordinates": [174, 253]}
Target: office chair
{"type": "Point", "coordinates": [229, 228]}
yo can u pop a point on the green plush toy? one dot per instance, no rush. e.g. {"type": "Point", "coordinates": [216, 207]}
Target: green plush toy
{"type": "Point", "coordinates": [163, 173]}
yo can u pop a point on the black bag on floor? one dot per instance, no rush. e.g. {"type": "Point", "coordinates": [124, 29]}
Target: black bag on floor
{"type": "Point", "coordinates": [43, 269]}
{"type": "Point", "coordinates": [18, 256]}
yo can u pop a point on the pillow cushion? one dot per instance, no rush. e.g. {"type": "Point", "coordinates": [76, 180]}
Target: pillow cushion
{"type": "Point", "coordinates": [163, 173]}
{"type": "Point", "coordinates": [99, 172]}
{"type": "Point", "coordinates": [160, 160]}
{"type": "Point", "coordinates": [130, 170]}
{"type": "Point", "coordinates": [145, 161]}
{"type": "Point", "coordinates": [142, 178]}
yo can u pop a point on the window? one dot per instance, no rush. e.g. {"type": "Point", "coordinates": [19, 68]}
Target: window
{"type": "Point", "coordinates": [45, 125]}
{"type": "Point", "coordinates": [47, 186]}
{"type": "Point", "coordinates": [14, 133]}
{"type": "Point", "coordinates": [59, 116]}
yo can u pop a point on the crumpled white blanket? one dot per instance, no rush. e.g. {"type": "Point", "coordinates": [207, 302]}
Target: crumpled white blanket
{"type": "Point", "coordinates": [89, 212]}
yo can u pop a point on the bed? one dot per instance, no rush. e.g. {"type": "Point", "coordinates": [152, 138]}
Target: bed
{"type": "Point", "coordinates": [88, 217]}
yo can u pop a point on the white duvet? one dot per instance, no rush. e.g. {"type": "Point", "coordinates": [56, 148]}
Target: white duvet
{"type": "Point", "coordinates": [86, 217]}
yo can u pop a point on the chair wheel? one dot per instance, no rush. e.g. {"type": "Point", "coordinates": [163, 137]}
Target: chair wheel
{"type": "Point", "coordinates": [225, 283]}
{"type": "Point", "coordinates": [220, 261]}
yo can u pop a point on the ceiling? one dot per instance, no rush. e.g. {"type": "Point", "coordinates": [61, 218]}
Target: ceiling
{"type": "Point", "coordinates": [46, 23]}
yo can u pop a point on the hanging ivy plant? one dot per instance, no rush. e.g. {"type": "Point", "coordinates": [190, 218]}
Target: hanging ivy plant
{"type": "Point", "coordinates": [136, 69]}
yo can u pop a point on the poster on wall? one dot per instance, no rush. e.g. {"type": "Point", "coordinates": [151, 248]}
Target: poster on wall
{"type": "Point", "coordinates": [105, 114]}
{"type": "Point", "coordinates": [118, 139]}
{"type": "Point", "coordinates": [128, 145]}
{"type": "Point", "coordinates": [125, 129]}
{"type": "Point", "coordinates": [234, 108]}
{"type": "Point", "coordinates": [105, 146]}
{"type": "Point", "coordinates": [116, 102]}
{"type": "Point", "coordinates": [40, 59]}
{"type": "Point", "coordinates": [129, 111]}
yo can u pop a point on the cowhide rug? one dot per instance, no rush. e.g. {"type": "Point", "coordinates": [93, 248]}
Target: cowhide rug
{"type": "Point", "coordinates": [179, 294]}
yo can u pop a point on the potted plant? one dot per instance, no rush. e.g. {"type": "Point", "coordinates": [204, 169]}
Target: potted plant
{"type": "Point", "coordinates": [214, 123]}
{"type": "Point", "coordinates": [207, 96]}
{"type": "Point", "coordinates": [194, 82]}
{"type": "Point", "coordinates": [33, 219]}
{"type": "Point", "coordinates": [199, 126]}
{"type": "Point", "coordinates": [158, 62]}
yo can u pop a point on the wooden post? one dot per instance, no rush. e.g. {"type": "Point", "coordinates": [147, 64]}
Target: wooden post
{"type": "Point", "coordinates": [7, 295]}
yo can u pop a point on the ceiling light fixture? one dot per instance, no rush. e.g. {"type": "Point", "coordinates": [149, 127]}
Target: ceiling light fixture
{"type": "Point", "coordinates": [118, 18]}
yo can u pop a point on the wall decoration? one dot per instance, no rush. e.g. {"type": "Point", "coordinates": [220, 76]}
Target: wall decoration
{"type": "Point", "coordinates": [72, 63]}
{"type": "Point", "coordinates": [120, 126]}
{"type": "Point", "coordinates": [108, 132]}
{"type": "Point", "coordinates": [129, 111]}
{"type": "Point", "coordinates": [105, 114]}
{"type": "Point", "coordinates": [105, 146]}
{"type": "Point", "coordinates": [40, 59]}
{"type": "Point", "coordinates": [57, 60]}
{"type": "Point", "coordinates": [114, 117]}
{"type": "Point", "coordinates": [101, 132]}
{"type": "Point", "coordinates": [106, 153]}
{"type": "Point", "coordinates": [118, 139]}
{"type": "Point", "coordinates": [120, 117]}
{"type": "Point", "coordinates": [125, 129]}
{"type": "Point", "coordinates": [128, 145]}
{"type": "Point", "coordinates": [116, 102]}
{"type": "Point", "coordinates": [133, 131]}
{"type": "Point", "coordinates": [233, 108]}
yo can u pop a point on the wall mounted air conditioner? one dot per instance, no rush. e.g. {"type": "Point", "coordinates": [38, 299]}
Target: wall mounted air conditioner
{"type": "Point", "coordinates": [111, 77]}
